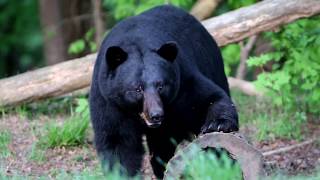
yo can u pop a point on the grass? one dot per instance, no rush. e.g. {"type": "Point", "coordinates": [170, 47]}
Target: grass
{"type": "Point", "coordinates": [86, 174]}
{"type": "Point", "coordinates": [50, 107]}
{"type": "Point", "coordinates": [270, 121]}
{"type": "Point", "coordinates": [37, 154]}
{"type": "Point", "coordinates": [71, 133]}
{"type": "Point", "coordinates": [5, 139]}
{"type": "Point", "coordinates": [206, 165]}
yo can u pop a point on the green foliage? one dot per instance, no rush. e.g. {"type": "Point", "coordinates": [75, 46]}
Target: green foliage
{"type": "Point", "coordinates": [124, 8]}
{"type": "Point", "coordinates": [121, 9]}
{"type": "Point", "coordinates": [81, 45]}
{"type": "Point", "coordinates": [5, 139]}
{"type": "Point", "coordinates": [294, 79]}
{"type": "Point", "coordinates": [230, 5]}
{"type": "Point", "coordinates": [86, 174]}
{"type": "Point", "coordinates": [235, 4]}
{"type": "Point", "coordinates": [77, 46]}
{"type": "Point", "coordinates": [20, 35]}
{"type": "Point", "coordinates": [283, 125]}
{"type": "Point", "coordinates": [73, 130]}
{"type": "Point", "coordinates": [263, 59]}
{"type": "Point", "coordinates": [37, 154]}
{"type": "Point", "coordinates": [206, 165]}
{"type": "Point", "coordinates": [270, 121]}
{"type": "Point", "coordinates": [231, 57]}
{"type": "Point", "coordinates": [49, 107]}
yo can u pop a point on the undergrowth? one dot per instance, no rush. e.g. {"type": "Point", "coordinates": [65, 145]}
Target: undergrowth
{"type": "Point", "coordinates": [5, 139]}
{"type": "Point", "coordinates": [269, 121]}
{"type": "Point", "coordinates": [72, 132]}
{"type": "Point", "coordinates": [207, 165]}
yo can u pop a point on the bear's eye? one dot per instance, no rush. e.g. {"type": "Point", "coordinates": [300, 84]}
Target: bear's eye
{"type": "Point", "coordinates": [139, 89]}
{"type": "Point", "coordinates": [159, 86]}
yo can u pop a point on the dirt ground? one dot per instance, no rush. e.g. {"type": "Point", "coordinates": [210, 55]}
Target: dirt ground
{"type": "Point", "coordinates": [25, 160]}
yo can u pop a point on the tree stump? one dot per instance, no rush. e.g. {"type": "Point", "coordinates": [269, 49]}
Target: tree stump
{"type": "Point", "coordinates": [249, 158]}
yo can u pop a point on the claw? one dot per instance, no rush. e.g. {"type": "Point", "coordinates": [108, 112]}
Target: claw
{"type": "Point", "coordinates": [219, 127]}
{"type": "Point", "coordinates": [210, 126]}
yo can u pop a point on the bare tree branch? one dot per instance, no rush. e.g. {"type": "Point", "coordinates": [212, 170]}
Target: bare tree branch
{"type": "Point", "coordinates": [289, 148]}
{"type": "Point", "coordinates": [244, 86]}
{"type": "Point", "coordinates": [244, 55]}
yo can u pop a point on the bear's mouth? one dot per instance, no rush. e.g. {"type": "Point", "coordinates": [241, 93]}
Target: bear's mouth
{"type": "Point", "coordinates": [149, 122]}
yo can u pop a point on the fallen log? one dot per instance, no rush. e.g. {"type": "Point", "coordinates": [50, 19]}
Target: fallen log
{"type": "Point", "coordinates": [47, 82]}
{"type": "Point", "coordinates": [230, 27]}
{"type": "Point", "coordinates": [249, 159]}
{"type": "Point", "coordinates": [263, 16]}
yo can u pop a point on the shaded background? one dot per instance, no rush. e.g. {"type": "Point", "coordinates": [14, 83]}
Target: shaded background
{"type": "Point", "coordinates": [36, 33]}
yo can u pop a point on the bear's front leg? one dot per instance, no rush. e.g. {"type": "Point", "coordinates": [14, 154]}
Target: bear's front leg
{"type": "Point", "coordinates": [221, 114]}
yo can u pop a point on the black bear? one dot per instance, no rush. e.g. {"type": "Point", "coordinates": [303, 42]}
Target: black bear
{"type": "Point", "coordinates": [158, 74]}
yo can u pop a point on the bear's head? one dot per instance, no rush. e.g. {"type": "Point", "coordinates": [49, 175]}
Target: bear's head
{"type": "Point", "coordinates": [141, 81]}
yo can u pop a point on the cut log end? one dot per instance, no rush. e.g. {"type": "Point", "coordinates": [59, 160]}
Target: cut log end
{"type": "Point", "coordinates": [249, 158]}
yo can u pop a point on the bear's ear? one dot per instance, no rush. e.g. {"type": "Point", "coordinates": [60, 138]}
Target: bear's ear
{"type": "Point", "coordinates": [115, 56]}
{"type": "Point", "coordinates": [168, 51]}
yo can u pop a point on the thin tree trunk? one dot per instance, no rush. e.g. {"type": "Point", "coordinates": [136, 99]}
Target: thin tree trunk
{"type": "Point", "coordinates": [54, 47]}
{"type": "Point", "coordinates": [98, 21]}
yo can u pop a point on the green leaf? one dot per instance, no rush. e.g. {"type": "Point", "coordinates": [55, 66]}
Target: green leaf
{"type": "Point", "coordinates": [89, 35]}
{"type": "Point", "coordinates": [76, 47]}
{"type": "Point", "coordinates": [264, 58]}
{"type": "Point", "coordinates": [93, 46]}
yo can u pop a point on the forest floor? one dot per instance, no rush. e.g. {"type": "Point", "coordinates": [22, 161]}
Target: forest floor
{"type": "Point", "coordinates": [24, 159]}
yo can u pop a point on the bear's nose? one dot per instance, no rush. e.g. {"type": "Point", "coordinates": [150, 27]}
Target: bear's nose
{"type": "Point", "coordinates": [156, 117]}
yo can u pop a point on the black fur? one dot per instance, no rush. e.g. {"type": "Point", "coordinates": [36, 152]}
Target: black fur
{"type": "Point", "coordinates": [163, 58]}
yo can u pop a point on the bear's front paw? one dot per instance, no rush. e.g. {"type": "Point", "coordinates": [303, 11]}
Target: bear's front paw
{"type": "Point", "coordinates": [220, 125]}
{"type": "Point", "coordinates": [221, 117]}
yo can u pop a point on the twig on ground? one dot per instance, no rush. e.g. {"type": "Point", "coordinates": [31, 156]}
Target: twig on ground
{"type": "Point", "coordinates": [288, 148]}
